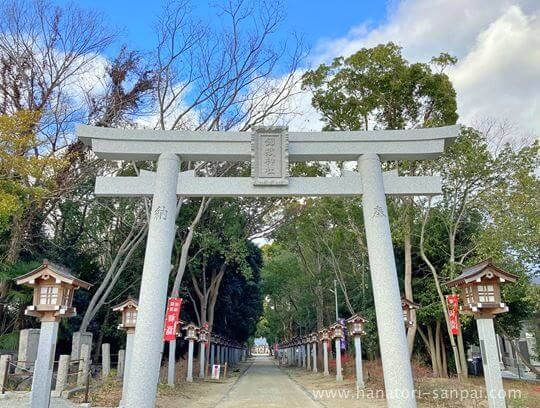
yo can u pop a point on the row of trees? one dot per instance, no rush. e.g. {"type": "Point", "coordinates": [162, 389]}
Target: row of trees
{"type": "Point", "coordinates": [488, 209]}
{"type": "Point", "coordinates": [53, 74]}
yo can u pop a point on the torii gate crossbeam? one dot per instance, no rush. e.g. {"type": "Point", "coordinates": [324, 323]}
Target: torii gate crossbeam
{"type": "Point", "coordinates": [269, 150]}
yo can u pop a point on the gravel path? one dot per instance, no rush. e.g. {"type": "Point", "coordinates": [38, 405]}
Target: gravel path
{"type": "Point", "coordinates": [22, 400]}
{"type": "Point", "coordinates": [265, 385]}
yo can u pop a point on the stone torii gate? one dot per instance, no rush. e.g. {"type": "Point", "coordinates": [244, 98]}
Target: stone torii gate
{"type": "Point", "coordinates": [269, 149]}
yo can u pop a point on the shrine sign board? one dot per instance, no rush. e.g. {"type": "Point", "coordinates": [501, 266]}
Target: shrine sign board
{"type": "Point", "coordinates": [269, 156]}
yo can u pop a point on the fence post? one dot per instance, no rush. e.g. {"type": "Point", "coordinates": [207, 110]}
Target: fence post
{"type": "Point", "coordinates": [62, 375]}
{"type": "Point", "coordinates": [86, 387]}
{"type": "Point", "coordinates": [4, 372]}
{"type": "Point", "coordinates": [84, 363]}
{"type": "Point", "coordinates": [121, 363]}
{"type": "Point", "coordinates": [106, 360]}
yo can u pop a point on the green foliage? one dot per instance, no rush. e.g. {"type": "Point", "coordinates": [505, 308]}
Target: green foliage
{"type": "Point", "coordinates": [377, 88]}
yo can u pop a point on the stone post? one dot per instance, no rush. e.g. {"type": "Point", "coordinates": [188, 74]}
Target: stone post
{"type": "Point", "coordinates": [309, 356]}
{"type": "Point", "coordinates": [189, 377]}
{"type": "Point", "coordinates": [121, 363]}
{"type": "Point", "coordinates": [218, 354]}
{"type": "Point", "coordinates": [202, 355]}
{"type": "Point", "coordinates": [106, 360]}
{"type": "Point", "coordinates": [325, 358]}
{"type": "Point", "coordinates": [84, 364]}
{"type": "Point", "coordinates": [303, 348]}
{"type": "Point", "coordinates": [171, 366]}
{"type": "Point", "coordinates": [490, 362]}
{"type": "Point", "coordinates": [130, 334]}
{"type": "Point", "coordinates": [43, 369]}
{"type": "Point", "coordinates": [314, 348]}
{"type": "Point", "coordinates": [339, 375]}
{"type": "Point", "coordinates": [145, 361]}
{"type": "Point", "coordinates": [28, 346]}
{"type": "Point", "coordinates": [62, 374]}
{"type": "Point", "coordinates": [358, 362]}
{"type": "Point", "coordinates": [4, 367]}
{"type": "Point", "coordinates": [78, 339]}
{"type": "Point", "coordinates": [393, 343]}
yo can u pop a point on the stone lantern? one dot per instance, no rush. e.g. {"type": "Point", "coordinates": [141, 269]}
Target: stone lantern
{"type": "Point", "coordinates": [336, 332]}
{"type": "Point", "coordinates": [129, 309]}
{"type": "Point", "coordinates": [324, 337]}
{"type": "Point", "coordinates": [191, 336]}
{"type": "Point", "coordinates": [203, 338]}
{"type": "Point", "coordinates": [409, 311]}
{"type": "Point", "coordinates": [314, 339]}
{"type": "Point", "coordinates": [54, 286]}
{"type": "Point", "coordinates": [481, 293]}
{"type": "Point", "coordinates": [355, 325]}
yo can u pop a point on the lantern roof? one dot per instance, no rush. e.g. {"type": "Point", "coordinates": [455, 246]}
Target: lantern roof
{"type": "Point", "coordinates": [357, 317]}
{"type": "Point", "coordinates": [58, 272]}
{"type": "Point", "coordinates": [409, 303]}
{"type": "Point", "coordinates": [484, 269]}
{"type": "Point", "coordinates": [129, 302]}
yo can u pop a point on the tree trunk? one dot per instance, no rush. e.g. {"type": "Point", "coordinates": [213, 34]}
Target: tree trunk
{"type": "Point", "coordinates": [407, 247]}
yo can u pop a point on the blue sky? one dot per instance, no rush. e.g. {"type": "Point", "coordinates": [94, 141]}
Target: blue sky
{"type": "Point", "coordinates": [314, 20]}
{"type": "Point", "coordinates": [497, 43]}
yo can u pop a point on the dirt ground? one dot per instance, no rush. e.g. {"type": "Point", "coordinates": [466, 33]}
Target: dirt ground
{"type": "Point", "coordinates": [431, 392]}
{"type": "Point", "coordinates": [199, 394]}
{"type": "Point", "coordinates": [266, 385]}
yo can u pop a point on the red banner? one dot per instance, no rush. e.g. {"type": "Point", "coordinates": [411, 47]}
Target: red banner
{"type": "Point", "coordinates": [172, 318]}
{"type": "Point", "coordinates": [452, 302]}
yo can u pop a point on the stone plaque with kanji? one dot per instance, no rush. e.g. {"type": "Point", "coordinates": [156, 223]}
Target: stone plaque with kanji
{"type": "Point", "coordinates": [269, 156]}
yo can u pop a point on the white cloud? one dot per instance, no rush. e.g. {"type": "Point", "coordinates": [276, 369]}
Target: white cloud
{"type": "Point", "coordinates": [497, 43]}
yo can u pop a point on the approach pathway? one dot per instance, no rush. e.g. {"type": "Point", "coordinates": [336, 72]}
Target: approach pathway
{"type": "Point", "coordinates": [265, 385]}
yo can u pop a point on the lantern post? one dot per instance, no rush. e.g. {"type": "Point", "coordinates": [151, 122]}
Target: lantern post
{"type": "Point", "coordinates": [409, 309]}
{"type": "Point", "coordinates": [212, 349]}
{"type": "Point", "coordinates": [203, 338]}
{"type": "Point", "coordinates": [324, 337]}
{"type": "Point", "coordinates": [129, 309]}
{"type": "Point", "coordinates": [355, 325]}
{"type": "Point", "coordinates": [308, 352]}
{"type": "Point", "coordinates": [191, 336]}
{"type": "Point", "coordinates": [336, 331]}
{"type": "Point", "coordinates": [54, 286]}
{"type": "Point", "coordinates": [314, 340]}
{"type": "Point", "coordinates": [481, 293]}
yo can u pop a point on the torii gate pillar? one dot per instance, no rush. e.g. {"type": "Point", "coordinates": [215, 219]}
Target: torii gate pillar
{"type": "Point", "coordinates": [397, 371]}
{"type": "Point", "coordinates": [144, 368]}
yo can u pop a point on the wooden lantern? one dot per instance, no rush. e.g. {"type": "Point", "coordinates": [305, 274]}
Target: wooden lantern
{"type": "Point", "coordinates": [409, 318]}
{"type": "Point", "coordinates": [324, 335]}
{"type": "Point", "coordinates": [480, 288]}
{"type": "Point", "coordinates": [336, 331]}
{"type": "Point", "coordinates": [355, 325]}
{"type": "Point", "coordinates": [191, 331]}
{"type": "Point", "coordinates": [129, 309]}
{"type": "Point", "coordinates": [313, 338]}
{"type": "Point", "coordinates": [54, 286]}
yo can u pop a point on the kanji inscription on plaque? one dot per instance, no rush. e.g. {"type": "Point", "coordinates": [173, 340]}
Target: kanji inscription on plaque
{"type": "Point", "coordinates": [269, 156]}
